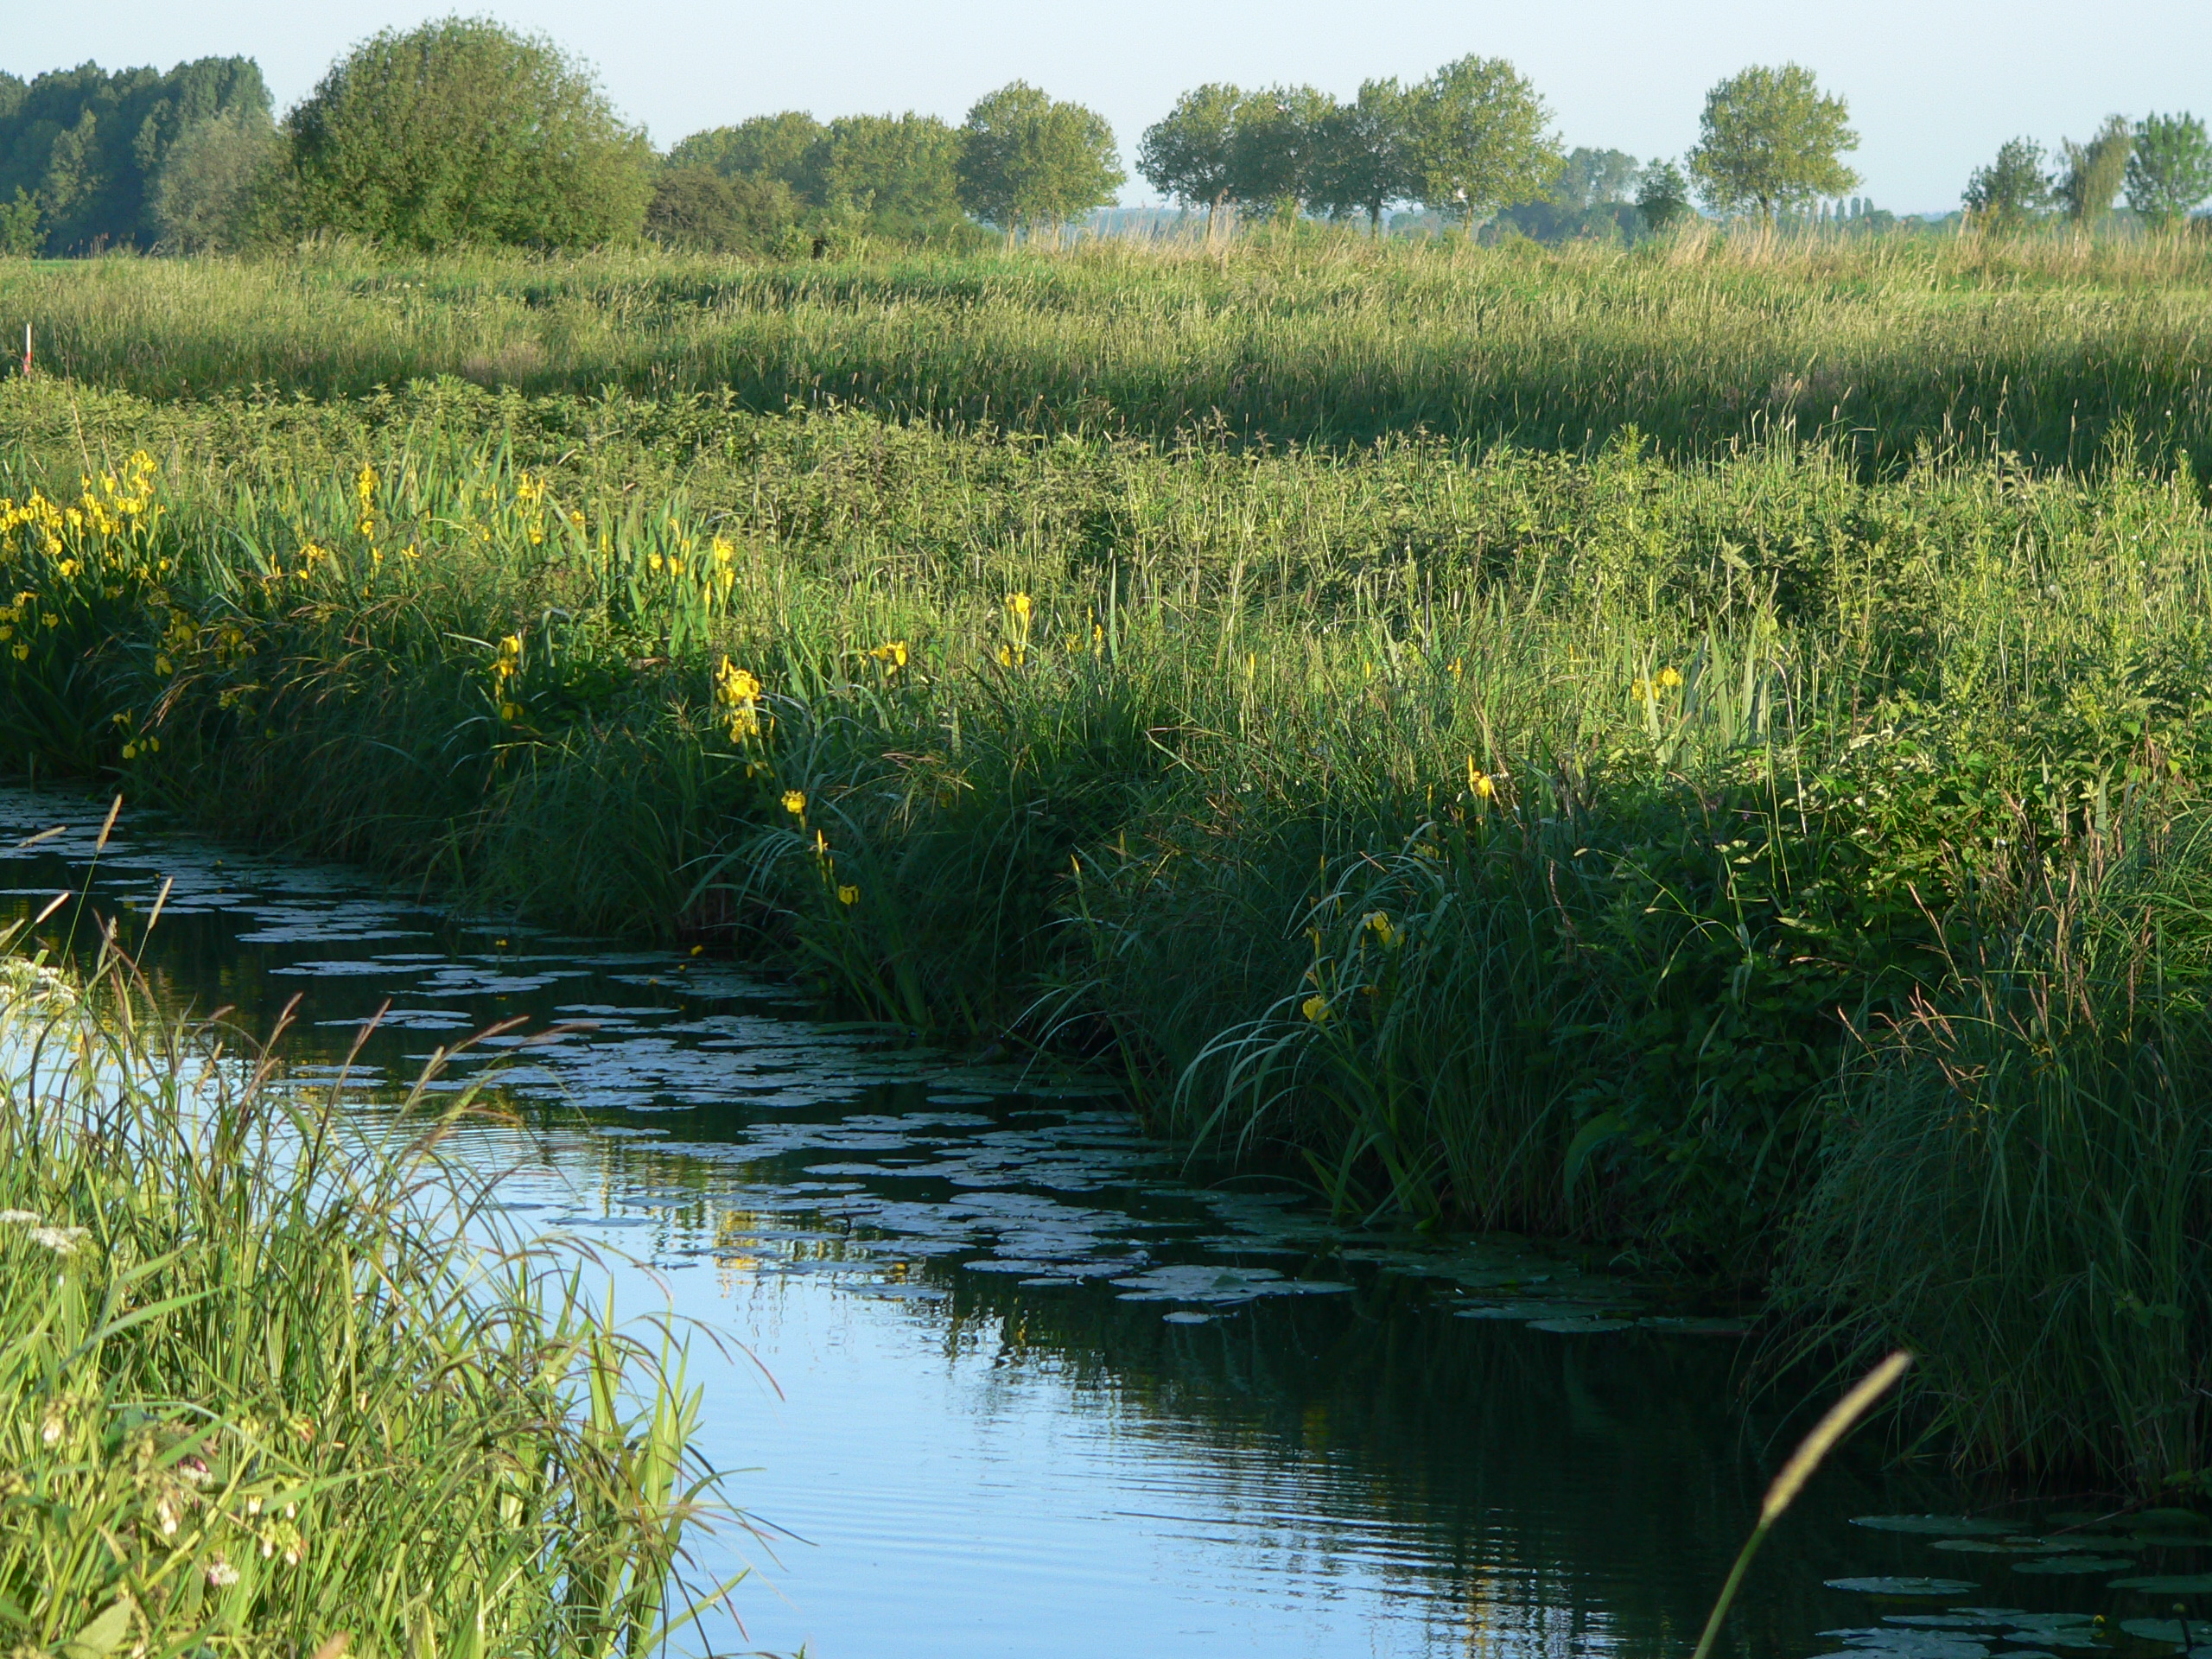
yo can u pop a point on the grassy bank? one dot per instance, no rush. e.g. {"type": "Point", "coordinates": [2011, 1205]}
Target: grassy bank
{"type": "Point", "coordinates": [2038, 347]}
{"type": "Point", "coordinates": [1768, 862]}
{"type": "Point", "coordinates": [260, 1399]}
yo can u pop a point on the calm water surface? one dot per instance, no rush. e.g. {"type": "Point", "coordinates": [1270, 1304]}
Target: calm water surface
{"type": "Point", "coordinates": [1036, 1392]}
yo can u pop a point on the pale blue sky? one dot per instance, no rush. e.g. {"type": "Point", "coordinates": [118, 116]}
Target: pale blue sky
{"type": "Point", "coordinates": [1934, 85]}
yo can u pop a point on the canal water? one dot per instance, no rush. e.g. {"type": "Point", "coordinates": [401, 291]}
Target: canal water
{"type": "Point", "coordinates": [1003, 1378]}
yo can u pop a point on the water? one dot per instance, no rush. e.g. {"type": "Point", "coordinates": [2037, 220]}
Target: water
{"type": "Point", "coordinates": [1011, 1383]}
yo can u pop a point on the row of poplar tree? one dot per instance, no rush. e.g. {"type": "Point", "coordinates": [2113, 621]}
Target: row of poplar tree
{"type": "Point", "coordinates": [462, 132]}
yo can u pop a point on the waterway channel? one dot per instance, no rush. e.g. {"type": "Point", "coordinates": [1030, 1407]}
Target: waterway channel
{"type": "Point", "coordinates": [1016, 1382]}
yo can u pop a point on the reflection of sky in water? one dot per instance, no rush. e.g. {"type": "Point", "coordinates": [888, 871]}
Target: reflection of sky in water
{"type": "Point", "coordinates": [1038, 1393]}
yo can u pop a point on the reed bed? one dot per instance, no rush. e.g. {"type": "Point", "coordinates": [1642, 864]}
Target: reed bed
{"type": "Point", "coordinates": [1591, 835]}
{"type": "Point", "coordinates": [277, 1381]}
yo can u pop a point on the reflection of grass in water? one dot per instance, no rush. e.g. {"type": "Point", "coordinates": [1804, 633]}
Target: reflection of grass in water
{"type": "Point", "coordinates": [257, 1391]}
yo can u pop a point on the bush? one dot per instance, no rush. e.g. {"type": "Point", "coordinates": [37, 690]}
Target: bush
{"type": "Point", "coordinates": [462, 131]}
{"type": "Point", "coordinates": [219, 182]}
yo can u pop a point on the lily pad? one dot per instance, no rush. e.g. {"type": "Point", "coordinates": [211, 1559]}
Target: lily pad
{"type": "Point", "coordinates": [2040, 1624]}
{"type": "Point", "coordinates": [2169, 1584]}
{"type": "Point", "coordinates": [1914, 1644]}
{"type": "Point", "coordinates": [1938, 1525]}
{"type": "Point", "coordinates": [1988, 1546]}
{"type": "Point", "coordinates": [1580, 1327]}
{"type": "Point", "coordinates": [2054, 1565]}
{"type": "Point", "coordinates": [1187, 1316]}
{"type": "Point", "coordinates": [2170, 1540]}
{"type": "Point", "coordinates": [1913, 1589]}
{"type": "Point", "coordinates": [1964, 1619]}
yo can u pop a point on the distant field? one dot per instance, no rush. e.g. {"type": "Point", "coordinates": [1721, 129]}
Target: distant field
{"type": "Point", "coordinates": [1774, 847]}
{"type": "Point", "coordinates": [2040, 348]}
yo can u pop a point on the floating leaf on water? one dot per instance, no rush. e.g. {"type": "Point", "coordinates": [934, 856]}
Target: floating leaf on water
{"type": "Point", "coordinates": [1988, 1546]}
{"type": "Point", "coordinates": [1962, 1619]}
{"type": "Point", "coordinates": [2037, 1623]}
{"type": "Point", "coordinates": [2054, 1565]}
{"type": "Point", "coordinates": [1938, 1525]}
{"type": "Point", "coordinates": [1895, 1643]}
{"type": "Point", "coordinates": [1913, 1588]}
{"type": "Point", "coordinates": [2168, 1540]}
{"type": "Point", "coordinates": [1187, 1316]}
{"type": "Point", "coordinates": [1581, 1327]}
{"type": "Point", "coordinates": [2171, 1583]}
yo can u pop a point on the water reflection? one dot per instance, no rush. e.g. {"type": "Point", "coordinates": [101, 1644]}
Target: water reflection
{"type": "Point", "coordinates": [1039, 1393]}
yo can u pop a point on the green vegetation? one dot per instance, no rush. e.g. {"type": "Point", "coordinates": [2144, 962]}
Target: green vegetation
{"type": "Point", "coordinates": [1765, 848]}
{"type": "Point", "coordinates": [272, 1383]}
{"type": "Point", "coordinates": [84, 150]}
{"type": "Point", "coordinates": [1769, 139]}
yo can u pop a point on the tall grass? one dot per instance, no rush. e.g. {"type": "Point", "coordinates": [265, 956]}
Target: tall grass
{"type": "Point", "coordinates": [1515, 836]}
{"type": "Point", "coordinates": [2032, 346]}
{"type": "Point", "coordinates": [275, 1380]}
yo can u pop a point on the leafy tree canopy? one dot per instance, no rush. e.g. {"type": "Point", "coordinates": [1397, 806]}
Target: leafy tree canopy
{"type": "Point", "coordinates": [2011, 189]}
{"type": "Point", "coordinates": [86, 146]}
{"type": "Point", "coordinates": [1480, 138]}
{"type": "Point", "coordinates": [1662, 196]}
{"type": "Point", "coordinates": [696, 207]}
{"type": "Point", "coordinates": [1278, 141]}
{"type": "Point", "coordinates": [1769, 139]}
{"type": "Point", "coordinates": [1367, 154]}
{"type": "Point", "coordinates": [220, 189]}
{"type": "Point", "coordinates": [765, 147]}
{"type": "Point", "coordinates": [898, 168]}
{"type": "Point", "coordinates": [2096, 171]}
{"type": "Point", "coordinates": [1190, 154]}
{"type": "Point", "coordinates": [2169, 167]}
{"type": "Point", "coordinates": [1028, 160]}
{"type": "Point", "coordinates": [463, 130]}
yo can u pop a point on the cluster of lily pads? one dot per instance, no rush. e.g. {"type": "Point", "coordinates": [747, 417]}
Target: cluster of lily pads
{"type": "Point", "coordinates": [2068, 1546]}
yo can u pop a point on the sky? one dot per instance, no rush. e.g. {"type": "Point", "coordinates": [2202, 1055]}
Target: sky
{"type": "Point", "coordinates": [1934, 86]}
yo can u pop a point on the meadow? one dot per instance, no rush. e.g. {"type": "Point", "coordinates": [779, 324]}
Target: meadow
{"type": "Point", "coordinates": [1694, 748]}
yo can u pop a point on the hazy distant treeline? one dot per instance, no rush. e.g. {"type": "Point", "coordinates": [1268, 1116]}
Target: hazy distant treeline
{"type": "Point", "coordinates": [461, 131]}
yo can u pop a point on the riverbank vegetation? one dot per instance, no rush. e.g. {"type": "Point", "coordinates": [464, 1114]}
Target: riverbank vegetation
{"type": "Point", "coordinates": [272, 1382]}
{"type": "Point", "coordinates": [1516, 777]}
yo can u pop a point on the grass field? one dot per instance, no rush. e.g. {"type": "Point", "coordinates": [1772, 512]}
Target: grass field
{"type": "Point", "coordinates": [1765, 838]}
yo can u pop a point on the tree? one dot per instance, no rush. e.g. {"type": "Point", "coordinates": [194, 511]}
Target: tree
{"type": "Point", "coordinates": [2170, 167]}
{"type": "Point", "coordinates": [2011, 189]}
{"type": "Point", "coordinates": [765, 147]}
{"type": "Point", "coordinates": [2095, 171]}
{"type": "Point", "coordinates": [1190, 153]}
{"type": "Point", "coordinates": [1277, 144]}
{"type": "Point", "coordinates": [1480, 139]}
{"type": "Point", "coordinates": [697, 207]}
{"type": "Point", "coordinates": [463, 132]}
{"type": "Point", "coordinates": [1769, 138]}
{"type": "Point", "coordinates": [901, 170]}
{"type": "Point", "coordinates": [1664, 196]}
{"type": "Point", "coordinates": [19, 228]}
{"type": "Point", "coordinates": [1367, 154]}
{"type": "Point", "coordinates": [89, 146]}
{"type": "Point", "coordinates": [217, 184]}
{"type": "Point", "coordinates": [1028, 160]}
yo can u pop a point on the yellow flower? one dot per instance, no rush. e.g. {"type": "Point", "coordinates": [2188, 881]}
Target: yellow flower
{"type": "Point", "coordinates": [1316, 1008]}
{"type": "Point", "coordinates": [1006, 658]}
{"type": "Point", "coordinates": [1484, 787]}
{"type": "Point", "coordinates": [576, 517]}
{"type": "Point", "coordinates": [22, 653]}
{"type": "Point", "coordinates": [1019, 604]}
{"type": "Point", "coordinates": [794, 803]}
{"type": "Point", "coordinates": [849, 896]}
{"type": "Point", "coordinates": [1669, 679]}
{"type": "Point", "coordinates": [1378, 922]}
{"type": "Point", "coordinates": [892, 656]}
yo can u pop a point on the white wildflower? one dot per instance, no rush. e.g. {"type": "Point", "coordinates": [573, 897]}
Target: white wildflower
{"type": "Point", "coordinates": [62, 1240]}
{"type": "Point", "coordinates": [20, 1217]}
{"type": "Point", "coordinates": [221, 1573]}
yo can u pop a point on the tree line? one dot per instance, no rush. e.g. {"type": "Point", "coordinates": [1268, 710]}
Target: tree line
{"type": "Point", "coordinates": [461, 131]}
